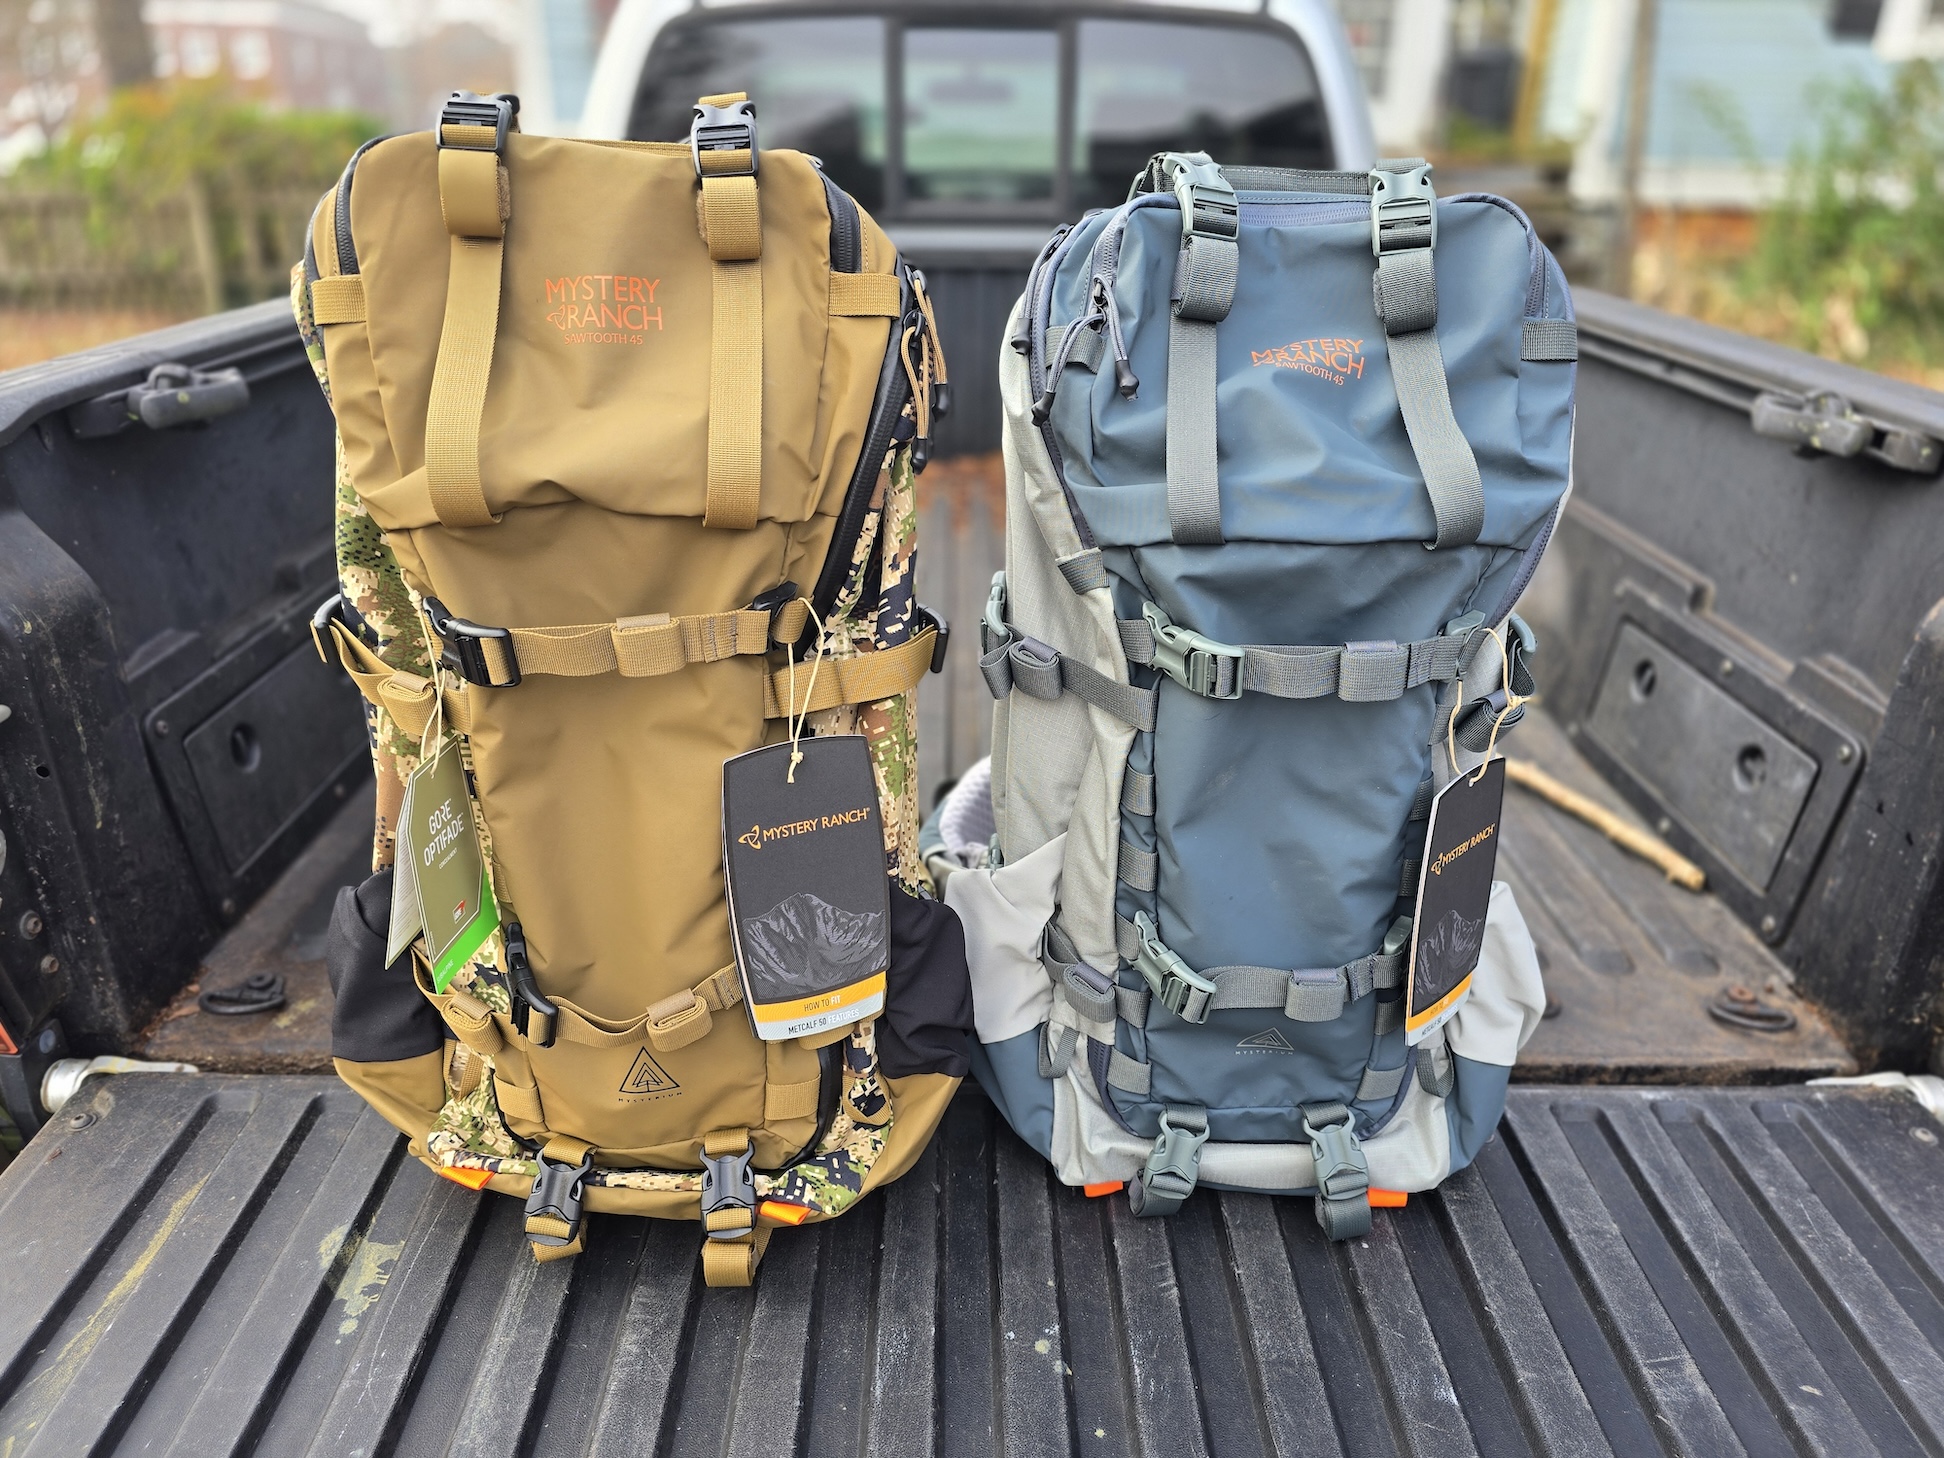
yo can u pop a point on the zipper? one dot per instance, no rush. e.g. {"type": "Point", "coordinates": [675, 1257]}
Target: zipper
{"type": "Point", "coordinates": [887, 408]}
{"type": "Point", "coordinates": [846, 232]}
{"type": "Point", "coordinates": [347, 251]}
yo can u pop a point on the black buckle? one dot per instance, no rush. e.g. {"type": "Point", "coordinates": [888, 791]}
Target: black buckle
{"type": "Point", "coordinates": [557, 1191]}
{"type": "Point", "coordinates": [773, 602]}
{"type": "Point", "coordinates": [533, 1015]}
{"type": "Point", "coordinates": [331, 610]}
{"type": "Point", "coordinates": [730, 128]}
{"type": "Point", "coordinates": [727, 1184]}
{"type": "Point", "coordinates": [460, 650]}
{"type": "Point", "coordinates": [941, 642]}
{"type": "Point", "coordinates": [470, 109]}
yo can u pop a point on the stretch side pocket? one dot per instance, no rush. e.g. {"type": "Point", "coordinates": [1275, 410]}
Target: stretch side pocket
{"type": "Point", "coordinates": [928, 993]}
{"type": "Point", "coordinates": [1508, 998]}
{"type": "Point", "coordinates": [378, 1014]}
{"type": "Point", "coordinates": [1004, 913]}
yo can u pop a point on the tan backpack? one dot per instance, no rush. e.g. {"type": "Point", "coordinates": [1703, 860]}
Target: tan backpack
{"type": "Point", "coordinates": [626, 443]}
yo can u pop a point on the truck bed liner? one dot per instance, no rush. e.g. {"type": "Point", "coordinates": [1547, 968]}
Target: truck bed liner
{"type": "Point", "coordinates": [223, 1264]}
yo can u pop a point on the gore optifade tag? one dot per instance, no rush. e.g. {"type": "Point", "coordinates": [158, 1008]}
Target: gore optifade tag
{"type": "Point", "coordinates": [440, 878]}
{"type": "Point", "coordinates": [809, 897]}
{"type": "Point", "coordinates": [1454, 896]}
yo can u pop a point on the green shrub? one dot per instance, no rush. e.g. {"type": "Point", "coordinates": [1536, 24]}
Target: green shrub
{"type": "Point", "coordinates": [1853, 254]}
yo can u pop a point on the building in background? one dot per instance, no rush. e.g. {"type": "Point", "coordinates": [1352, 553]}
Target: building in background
{"type": "Point", "coordinates": [461, 56]}
{"type": "Point", "coordinates": [284, 52]}
{"type": "Point", "coordinates": [1735, 88]}
{"type": "Point", "coordinates": [59, 59]}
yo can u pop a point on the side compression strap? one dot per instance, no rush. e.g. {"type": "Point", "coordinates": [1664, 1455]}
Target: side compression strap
{"type": "Point", "coordinates": [1042, 672]}
{"type": "Point", "coordinates": [1403, 233]}
{"type": "Point", "coordinates": [1313, 995]}
{"type": "Point", "coordinates": [1370, 672]}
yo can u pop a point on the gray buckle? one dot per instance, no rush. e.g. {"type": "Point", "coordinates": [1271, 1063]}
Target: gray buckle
{"type": "Point", "coordinates": [729, 128]}
{"type": "Point", "coordinates": [1208, 206]}
{"type": "Point", "coordinates": [727, 1184]}
{"type": "Point", "coordinates": [1173, 1167]}
{"type": "Point", "coordinates": [993, 632]}
{"type": "Point", "coordinates": [1175, 985]}
{"type": "Point", "coordinates": [556, 1194]}
{"type": "Point", "coordinates": [1192, 660]}
{"type": "Point", "coordinates": [1401, 199]}
{"type": "Point", "coordinates": [1342, 1172]}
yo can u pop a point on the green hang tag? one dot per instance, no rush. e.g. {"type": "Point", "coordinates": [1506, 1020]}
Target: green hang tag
{"type": "Point", "coordinates": [436, 837]}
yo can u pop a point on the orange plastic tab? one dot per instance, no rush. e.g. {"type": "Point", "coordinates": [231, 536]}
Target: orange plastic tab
{"type": "Point", "coordinates": [472, 1179]}
{"type": "Point", "coordinates": [7, 1048]}
{"type": "Point", "coordinates": [1388, 1199]}
{"type": "Point", "coordinates": [783, 1213]}
{"type": "Point", "coordinates": [1105, 1187]}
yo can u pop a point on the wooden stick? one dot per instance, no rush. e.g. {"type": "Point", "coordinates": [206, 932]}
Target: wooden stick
{"type": "Point", "coordinates": [1650, 848]}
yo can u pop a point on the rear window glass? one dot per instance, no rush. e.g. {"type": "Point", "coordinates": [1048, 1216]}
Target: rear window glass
{"type": "Point", "coordinates": [818, 85]}
{"type": "Point", "coordinates": [1245, 97]}
{"type": "Point", "coordinates": [994, 120]}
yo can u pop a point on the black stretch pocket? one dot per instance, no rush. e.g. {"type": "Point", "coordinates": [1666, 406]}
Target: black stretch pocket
{"type": "Point", "coordinates": [927, 1022]}
{"type": "Point", "coordinates": [379, 1015]}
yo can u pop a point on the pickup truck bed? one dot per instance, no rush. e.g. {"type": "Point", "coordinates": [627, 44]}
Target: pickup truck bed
{"type": "Point", "coordinates": [226, 1265]}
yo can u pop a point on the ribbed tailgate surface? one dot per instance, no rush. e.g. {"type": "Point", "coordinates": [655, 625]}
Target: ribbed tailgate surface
{"type": "Point", "coordinates": [251, 1265]}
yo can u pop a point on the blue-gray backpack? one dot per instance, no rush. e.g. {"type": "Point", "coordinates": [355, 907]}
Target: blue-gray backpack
{"type": "Point", "coordinates": [1282, 451]}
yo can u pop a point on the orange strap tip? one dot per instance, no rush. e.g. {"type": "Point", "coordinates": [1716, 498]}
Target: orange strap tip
{"type": "Point", "coordinates": [1388, 1199]}
{"type": "Point", "coordinates": [472, 1179]}
{"type": "Point", "coordinates": [1104, 1187]}
{"type": "Point", "coordinates": [783, 1213]}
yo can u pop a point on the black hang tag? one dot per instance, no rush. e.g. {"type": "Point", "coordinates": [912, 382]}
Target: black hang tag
{"type": "Point", "coordinates": [1454, 897]}
{"type": "Point", "coordinates": [809, 898]}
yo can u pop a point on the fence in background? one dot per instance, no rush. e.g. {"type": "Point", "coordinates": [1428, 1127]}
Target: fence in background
{"type": "Point", "coordinates": [192, 251]}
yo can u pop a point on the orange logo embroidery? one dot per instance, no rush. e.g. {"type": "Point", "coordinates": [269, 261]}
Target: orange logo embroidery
{"type": "Point", "coordinates": [1337, 360]}
{"type": "Point", "coordinates": [604, 308]}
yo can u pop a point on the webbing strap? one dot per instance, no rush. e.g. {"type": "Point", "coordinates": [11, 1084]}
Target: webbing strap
{"type": "Point", "coordinates": [1546, 340]}
{"type": "Point", "coordinates": [1304, 995]}
{"type": "Point", "coordinates": [732, 228]}
{"type": "Point", "coordinates": [1138, 868]}
{"type": "Point", "coordinates": [668, 1024]}
{"type": "Point", "coordinates": [1137, 793]}
{"type": "Point", "coordinates": [338, 299]}
{"type": "Point", "coordinates": [475, 200]}
{"type": "Point", "coordinates": [1084, 571]}
{"type": "Point", "coordinates": [1405, 286]}
{"type": "Point", "coordinates": [407, 697]}
{"type": "Point", "coordinates": [1369, 672]}
{"type": "Point", "coordinates": [866, 295]}
{"type": "Point", "coordinates": [1380, 1084]}
{"type": "Point", "coordinates": [1041, 672]}
{"type": "Point", "coordinates": [860, 680]}
{"type": "Point", "coordinates": [644, 646]}
{"type": "Point", "coordinates": [1204, 289]}
{"type": "Point", "coordinates": [1127, 1075]}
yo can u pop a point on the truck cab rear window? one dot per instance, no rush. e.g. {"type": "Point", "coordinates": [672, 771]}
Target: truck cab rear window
{"type": "Point", "coordinates": [1037, 118]}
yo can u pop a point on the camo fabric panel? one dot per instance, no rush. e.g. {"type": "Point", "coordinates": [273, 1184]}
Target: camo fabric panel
{"type": "Point", "coordinates": [469, 1134]}
{"type": "Point", "coordinates": [375, 589]}
{"type": "Point", "coordinates": [889, 542]}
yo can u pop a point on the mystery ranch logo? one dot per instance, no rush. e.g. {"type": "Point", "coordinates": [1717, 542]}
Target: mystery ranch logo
{"type": "Point", "coordinates": [758, 836]}
{"type": "Point", "coordinates": [1337, 360]}
{"type": "Point", "coordinates": [604, 308]}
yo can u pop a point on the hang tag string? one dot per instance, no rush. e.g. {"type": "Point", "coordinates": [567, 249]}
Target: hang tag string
{"type": "Point", "coordinates": [791, 716]}
{"type": "Point", "coordinates": [1513, 702]}
{"type": "Point", "coordinates": [434, 731]}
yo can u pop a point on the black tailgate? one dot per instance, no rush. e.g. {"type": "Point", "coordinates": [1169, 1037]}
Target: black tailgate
{"type": "Point", "coordinates": [251, 1265]}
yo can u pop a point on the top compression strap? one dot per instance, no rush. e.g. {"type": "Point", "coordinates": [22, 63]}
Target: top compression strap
{"type": "Point", "coordinates": [723, 139]}
{"type": "Point", "coordinates": [476, 201]}
{"type": "Point", "coordinates": [1403, 233]}
{"type": "Point", "coordinates": [1204, 289]}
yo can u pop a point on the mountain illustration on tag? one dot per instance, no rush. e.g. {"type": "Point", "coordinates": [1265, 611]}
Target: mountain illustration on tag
{"type": "Point", "coordinates": [1266, 1041]}
{"type": "Point", "coordinates": [648, 1077]}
